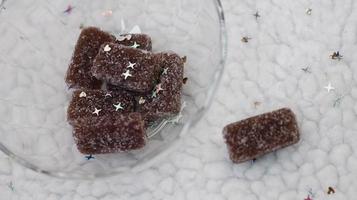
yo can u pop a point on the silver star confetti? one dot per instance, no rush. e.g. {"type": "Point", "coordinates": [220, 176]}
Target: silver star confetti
{"type": "Point", "coordinates": [11, 186]}
{"type": "Point", "coordinates": [96, 111]}
{"type": "Point", "coordinates": [308, 11]}
{"type": "Point", "coordinates": [118, 107]}
{"type": "Point", "coordinates": [158, 88]}
{"type": "Point", "coordinates": [165, 71]}
{"type": "Point", "coordinates": [127, 74]}
{"type": "Point", "coordinates": [329, 88]}
{"type": "Point", "coordinates": [338, 100]}
{"type": "Point", "coordinates": [142, 100]}
{"type": "Point", "coordinates": [306, 69]}
{"type": "Point", "coordinates": [256, 15]}
{"type": "Point", "coordinates": [82, 94]}
{"type": "Point", "coordinates": [131, 65]}
{"type": "Point", "coordinates": [135, 45]}
{"type": "Point", "coordinates": [107, 48]}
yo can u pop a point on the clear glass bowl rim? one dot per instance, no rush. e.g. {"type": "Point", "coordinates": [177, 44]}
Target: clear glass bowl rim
{"type": "Point", "coordinates": [215, 83]}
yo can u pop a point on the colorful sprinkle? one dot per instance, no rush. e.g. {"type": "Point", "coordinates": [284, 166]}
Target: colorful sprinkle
{"type": "Point", "coordinates": [69, 9]}
{"type": "Point", "coordinates": [330, 190]}
{"type": "Point", "coordinates": [89, 157]}
{"type": "Point", "coordinates": [336, 56]}
{"type": "Point", "coordinates": [308, 11]}
{"type": "Point", "coordinates": [245, 39]}
{"type": "Point", "coordinates": [306, 69]}
{"type": "Point", "coordinates": [256, 15]}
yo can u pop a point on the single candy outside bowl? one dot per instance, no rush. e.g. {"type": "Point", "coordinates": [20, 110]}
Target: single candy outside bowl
{"type": "Point", "coordinates": [37, 41]}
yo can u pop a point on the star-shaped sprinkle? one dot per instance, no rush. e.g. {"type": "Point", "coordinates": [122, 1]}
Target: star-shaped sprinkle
{"type": "Point", "coordinates": [69, 9]}
{"type": "Point", "coordinates": [108, 95]}
{"type": "Point", "coordinates": [329, 87]}
{"type": "Point", "coordinates": [256, 15]}
{"type": "Point", "coordinates": [82, 94]}
{"type": "Point", "coordinates": [338, 100]}
{"type": "Point", "coordinates": [107, 48]}
{"type": "Point", "coordinates": [131, 65]}
{"type": "Point", "coordinates": [306, 69]}
{"type": "Point", "coordinates": [96, 111]}
{"type": "Point", "coordinates": [158, 88]}
{"type": "Point", "coordinates": [336, 56]}
{"type": "Point", "coordinates": [165, 71]}
{"type": "Point", "coordinates": [308, 11]}
{"type": "Point", "coordinates": [257, 104]}
{"type": "Point", "coordinates": [330, 190]}
{"type": "Point", "coordinates": [89, 157]}
{"type": "Point", "coordinates": [11, 186]}
{"type": "Point", "coordinates": [127, 74]}
{"type": "Point", "coordinates": [245, 39]}
{"type": "Point", "coordinates": [118, 107]}
{"type": "Point", "coordinates": [142, 100]}
{"type": "Point", "coordinates": [107, 13]}
{"type": "Point", "coordinates": [135, 45]}
{"type": "Point", "coordinates": [308, 198]}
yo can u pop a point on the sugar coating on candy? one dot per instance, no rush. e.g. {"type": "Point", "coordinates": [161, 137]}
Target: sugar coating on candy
{"type": "Point", "coordinates": [259, 135]}
{"type": "Point", "coordinates": [165, 99]}
{"type": "Point", "coordinates": [110, 134]}
{"type": "Point", "coordinates": [87, 47]}
{"type": "Point", "coordinates": [128, 68]}
{"type": "Point", "coordinates": [87, 104]}
{"type": "Point", "coordinates": [143, 41]}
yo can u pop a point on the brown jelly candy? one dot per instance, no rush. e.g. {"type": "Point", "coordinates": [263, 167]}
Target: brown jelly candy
{"type": "Point", "coordinates": [165, 99]}
{"type": "Point", "coordinates": [87, 104]}
{"type": "Point", "coordinates": [128, 68]}
{"type": "Point", "coordinates": [87, 47]}
{"type": "Point", "coordinates": [110, 134]}
{"type": "Point", "coordinates": [259, 135]}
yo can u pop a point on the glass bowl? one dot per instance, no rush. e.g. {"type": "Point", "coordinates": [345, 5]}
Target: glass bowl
{"type": "Point", "coordinates": [37, 41]}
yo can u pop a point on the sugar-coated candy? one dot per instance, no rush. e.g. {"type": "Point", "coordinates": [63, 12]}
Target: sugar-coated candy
{"type": "Point", "coordinates": [128, 68]}
{"type": "Point", "coordinates": [110, 134]}
{"type": "Point", "coordinates": [88, 104]}
{"type": "Point", "coordinates": [165, 99]}
{"type": "Point", "coordinates": [259, 135]}
{"type": "Point", "coordinates": [87, 47]}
